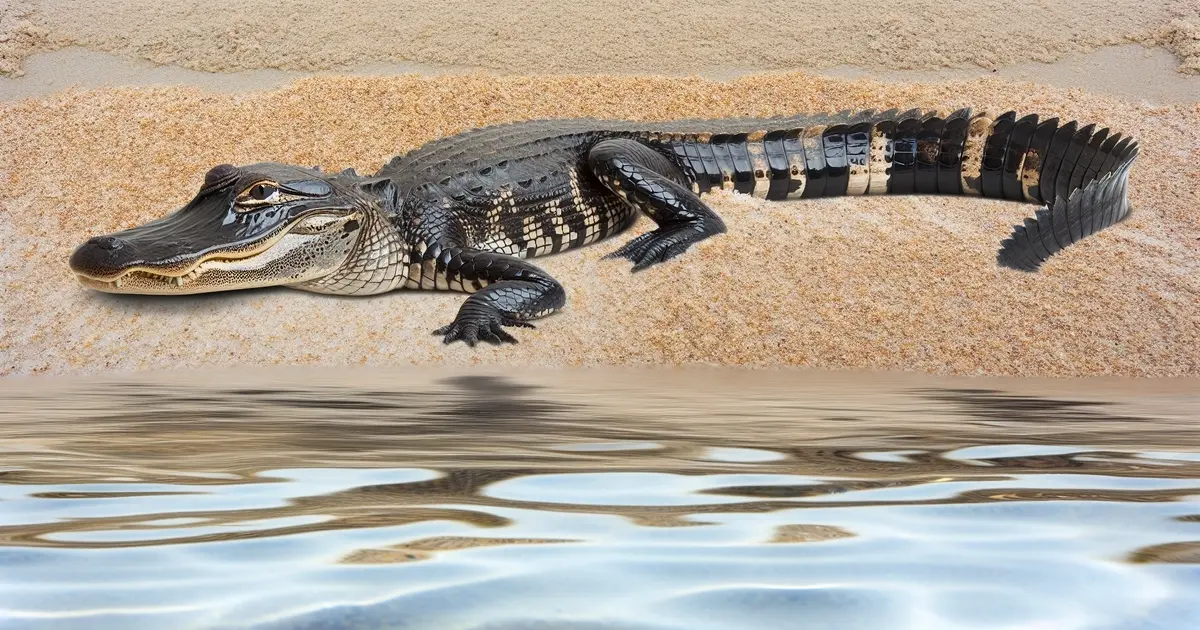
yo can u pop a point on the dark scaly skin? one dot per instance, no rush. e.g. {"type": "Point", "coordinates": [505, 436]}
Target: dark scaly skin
{"type": "Point", "coordinates": [467, 210]}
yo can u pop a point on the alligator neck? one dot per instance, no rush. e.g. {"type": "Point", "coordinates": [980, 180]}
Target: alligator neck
{"type": "Point", "coordinates": [380, 259]}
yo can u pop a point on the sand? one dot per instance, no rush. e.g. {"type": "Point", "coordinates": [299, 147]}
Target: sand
{"type": "Point", "coordinates": [886, 284]}
{"type": "Point", "coordinates": [596, 36]}
{"type": "Point", "coordinates": [906, 283]}
{"type": "Point", "coordinates": [1130, 72]}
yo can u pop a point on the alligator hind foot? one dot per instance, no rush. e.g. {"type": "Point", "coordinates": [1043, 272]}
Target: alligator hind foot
{"type": "Point", "coordinates": [649, 182]}
{"type": "Point", "coordinates": [660, 245]}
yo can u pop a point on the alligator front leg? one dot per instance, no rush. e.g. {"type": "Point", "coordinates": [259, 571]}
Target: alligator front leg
{"type": "Point", "coordinates": [651, 183]}
{"type": "Point", "coordinates": [505, 291]}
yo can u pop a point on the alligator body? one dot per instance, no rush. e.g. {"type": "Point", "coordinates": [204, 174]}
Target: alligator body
{"type": "Point", "coordinates": [466, 212]}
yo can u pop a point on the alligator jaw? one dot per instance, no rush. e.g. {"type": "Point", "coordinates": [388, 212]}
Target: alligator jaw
{"type": "Point", "coordinates": [173, 280]}
{"type": "Point", "coordinates": [169, 283]}
{"type": "Point", "coordinates": [282, 258]}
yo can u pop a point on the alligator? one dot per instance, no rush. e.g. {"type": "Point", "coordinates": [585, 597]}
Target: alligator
{"type": "Point", "coordinates": [466, 212]}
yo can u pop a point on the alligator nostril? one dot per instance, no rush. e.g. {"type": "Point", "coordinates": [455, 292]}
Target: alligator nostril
{"type": "Point", "coordinates": [106, 242]}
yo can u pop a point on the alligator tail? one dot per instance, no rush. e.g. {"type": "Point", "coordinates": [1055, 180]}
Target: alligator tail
{"type": "Point", "coordinates": [1079, 172]}
{"type": "Point", "coordinates": [1082, 176]}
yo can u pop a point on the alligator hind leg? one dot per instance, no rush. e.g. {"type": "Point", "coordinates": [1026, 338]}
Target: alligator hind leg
{"type": "Point", "coordinates": [505, 291]}
{"type": "Point", "coordinates": [651, 183]}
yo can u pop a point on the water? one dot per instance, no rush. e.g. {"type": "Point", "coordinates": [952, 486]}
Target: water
{"type": "Point", "coordinates": [655, 499]}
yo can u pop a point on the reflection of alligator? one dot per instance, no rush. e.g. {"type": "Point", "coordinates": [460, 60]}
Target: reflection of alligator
{"type": "Point", "coordinates": [462, 212]}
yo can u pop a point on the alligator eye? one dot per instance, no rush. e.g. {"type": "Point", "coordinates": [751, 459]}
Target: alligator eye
{"type": "Point", "coordinates": [262, 192]}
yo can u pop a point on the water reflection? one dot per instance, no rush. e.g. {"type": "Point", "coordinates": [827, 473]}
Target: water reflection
{"type": "Point", "coordinates": [651, 499]}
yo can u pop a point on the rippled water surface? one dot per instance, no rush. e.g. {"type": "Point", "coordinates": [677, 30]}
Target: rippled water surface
{"type": "Point", "coordinates": [668, 499]}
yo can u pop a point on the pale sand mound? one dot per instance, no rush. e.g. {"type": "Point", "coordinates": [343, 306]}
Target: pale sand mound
{"type": "Point", "coordinates": [897, 283]}
{"type": "Point", "coordinates": [21, 34]}
{"type": "Point", "coordinates": [1182, 37]}
{"type": "Point", "coordinates": [604, 36]}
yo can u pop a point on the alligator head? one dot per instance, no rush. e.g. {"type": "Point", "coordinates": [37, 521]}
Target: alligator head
{"type": "Point", "coordinates": [253, 226]}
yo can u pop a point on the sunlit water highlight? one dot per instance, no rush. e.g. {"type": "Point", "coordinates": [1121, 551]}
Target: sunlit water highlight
{"type": "Point", "coordinates": [672, 499]}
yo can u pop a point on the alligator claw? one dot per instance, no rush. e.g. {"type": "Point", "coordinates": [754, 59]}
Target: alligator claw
{"type": "Point", "coordinates": [481, 323]}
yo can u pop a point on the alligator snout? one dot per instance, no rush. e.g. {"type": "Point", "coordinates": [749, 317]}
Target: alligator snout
{"type": "Point", "coordinates": [99, 257]}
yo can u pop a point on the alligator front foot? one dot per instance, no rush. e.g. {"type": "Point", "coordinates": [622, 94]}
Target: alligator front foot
{"type": "Point", "coordinates": [516, 291]}
{"type": "Point", "coordinates": [480, 322]}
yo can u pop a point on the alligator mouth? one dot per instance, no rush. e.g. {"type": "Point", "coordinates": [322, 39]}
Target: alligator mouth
{"type": "Point", "coordinates": [178, 275]}
{"type": "Point", "coordinates": [244, 265]}
{"type": "Point", "coordinates": [142, 276]}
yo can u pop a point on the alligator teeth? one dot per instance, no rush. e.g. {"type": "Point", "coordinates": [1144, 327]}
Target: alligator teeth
{"type": "Point", "coordinates": [179, 281]}
{"type": "Point", "coordinates": [117, 283]}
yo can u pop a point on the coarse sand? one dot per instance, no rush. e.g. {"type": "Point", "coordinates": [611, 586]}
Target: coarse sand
{"type": "Point", "coordinates": [904, 283]}
{"type": "Point", "coordinates": [533, 37]}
